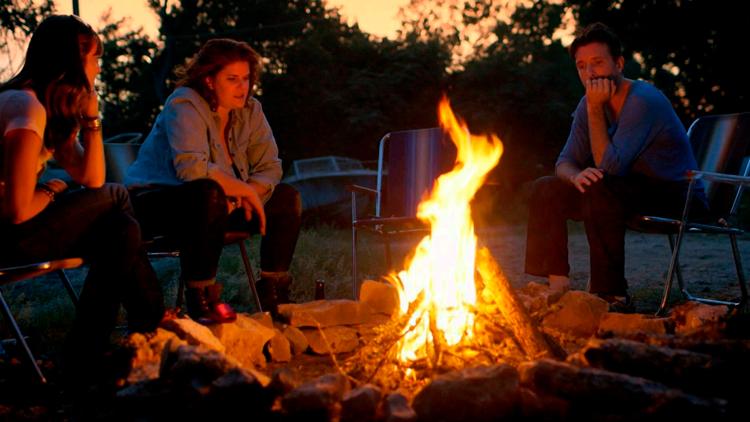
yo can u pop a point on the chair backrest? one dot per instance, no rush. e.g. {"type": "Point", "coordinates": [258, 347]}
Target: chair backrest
{"type": "Point", "coordinates": [721, 144]}
{"type": "Point", "coordinates": [408, 163]}
{"type": "Point", "coordinates": [119, 153]}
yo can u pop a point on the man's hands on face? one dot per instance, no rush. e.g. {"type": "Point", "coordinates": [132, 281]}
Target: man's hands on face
{"type": "Point", "coordinates": [586, 178]}
{"type": "Point", "coordinates": [599, 90]}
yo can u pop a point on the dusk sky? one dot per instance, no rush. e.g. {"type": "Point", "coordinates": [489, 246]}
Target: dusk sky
{"type": "Point", "coordinates": [375, 17]}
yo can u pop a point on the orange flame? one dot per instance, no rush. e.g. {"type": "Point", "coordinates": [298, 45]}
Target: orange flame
{"type": "Point", "coordinates": [442, 267]}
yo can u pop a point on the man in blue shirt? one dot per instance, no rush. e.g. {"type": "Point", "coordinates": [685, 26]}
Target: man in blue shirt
{"type": "Point", "coordinates": [627, 153]}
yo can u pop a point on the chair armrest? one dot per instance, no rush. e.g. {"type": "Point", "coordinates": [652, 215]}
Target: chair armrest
{"type": "Point", "coordinates": [718, 177]}
{"type": "Point", "coordinates": [22, 272]}
{"type": "Point", "coordinates": [361, 189]}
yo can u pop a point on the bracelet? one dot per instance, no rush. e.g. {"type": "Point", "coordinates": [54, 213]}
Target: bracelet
{"type": "Point", "coordinates": [92, 124]}
{"type": "Point", "coordinates": [47, 191]}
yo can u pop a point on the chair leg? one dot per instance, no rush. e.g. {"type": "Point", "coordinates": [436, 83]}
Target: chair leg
{"type": "Point", "coordinates": [740, 271]}
{"type": "Point", "coordinates": [387, 245]}
{"type": "Point", "coordinates": [677, 270]}
{"type": "Point", "coordinates": [20, 339]}
{"type": "Point", "coordinates": [249, 272]}
{"type": "Point", "coordinates": [68, 287]}
{"type": "Point", "coordinates": [673, 264]}
{"type": "Point", "coordinates": [180, 293]}
{"type": "Point", "coordinates": [354, 246]}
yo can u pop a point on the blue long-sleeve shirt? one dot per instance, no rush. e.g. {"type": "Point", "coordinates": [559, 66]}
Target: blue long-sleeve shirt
{"type": "Point", "coordinates": [648, 138]}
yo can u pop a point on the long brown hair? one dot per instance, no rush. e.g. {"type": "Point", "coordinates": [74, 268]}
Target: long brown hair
{"type": "Point", "coordinates": [211, 58]}
{"type": "Point", "coordinates": [54, 69]}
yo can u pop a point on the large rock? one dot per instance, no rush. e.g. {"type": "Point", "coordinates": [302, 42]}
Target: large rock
{"type": "Point", "coordinates": [318, 399]}
{"type": "Point", "coordinates": [603, 395]}
{"type": "Point", "coordinates": [194, 333]}
{"type": "Point", "coordinates": [537, 297]}
{"type": "Point", "coordinates": [326, 313]}
{"type": "Point", "coordinates": [188, 363]}
{"type": "Point", "coordinates": [577, 313]}
{"type": "Point", "coordinates": [628, 325]}
{"type": "Point", "coordinates": [340, 339]}
{"type": "Point", "coordinates": [147, 353]}
{"type": "Point", "coordinates": [473, 394]}
{"type": "Point", "coordinates": [379, 297]}
{"type": "Point", "coordinates": [695, 316]}
{"type": "Point", "coordinates": [297, 339]}
{"type": "Point", "coordinates": [396, 409]}
{"type": "Point", "coordinates": [361, 404]}
{"type": "Point", "coordinates": [279, 348]}
{"type": "Point", "coordinates": [244, 340]}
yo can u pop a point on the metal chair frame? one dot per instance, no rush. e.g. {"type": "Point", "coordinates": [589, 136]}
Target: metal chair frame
{"type": "Point", "coordinates": [387, 226]}
{"type": "Point", "coordinates": [676, 229]}
{"type": "Point", "coordinates": [9, 275]}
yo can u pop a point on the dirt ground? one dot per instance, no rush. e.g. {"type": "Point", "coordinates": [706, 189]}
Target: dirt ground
{"type": "Point", "coordinates": [706, 262]}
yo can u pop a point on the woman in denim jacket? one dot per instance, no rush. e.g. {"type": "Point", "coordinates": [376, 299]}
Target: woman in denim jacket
{"type": "Point", "coordinates": [210, 164]}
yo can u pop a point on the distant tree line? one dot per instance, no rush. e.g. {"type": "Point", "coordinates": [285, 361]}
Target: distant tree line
{"type": "Point", "coordinates": [329, 88]}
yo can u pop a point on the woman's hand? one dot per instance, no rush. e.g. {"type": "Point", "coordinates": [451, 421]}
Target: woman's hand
{"type": "Point", "coordinates": [57, 186]}
{"type": "Point", "coordinates": [252, 203]}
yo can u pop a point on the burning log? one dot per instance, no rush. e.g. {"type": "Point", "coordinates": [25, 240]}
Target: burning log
{"type": "Point", "coordinates": [523, 327]}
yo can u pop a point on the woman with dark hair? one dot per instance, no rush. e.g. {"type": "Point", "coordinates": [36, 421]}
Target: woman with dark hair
{"type": "Point", "coordinates": [211, 164]}
{"type": "Point", "coordinates": [42, 110]}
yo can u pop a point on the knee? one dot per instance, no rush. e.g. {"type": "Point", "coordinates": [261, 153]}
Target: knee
{"type": "Point", "coordinates": [209, 194]}
{"type": "Point", "coordinates": [124, 233]}
{"type": "Point", "coordinates": [544, 190]}
{"type": "Point", "coordinates": [287, 198]}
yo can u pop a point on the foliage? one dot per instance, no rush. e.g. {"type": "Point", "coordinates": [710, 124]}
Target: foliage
{"type": "Point", "coordinates": [128, 82]}
{"type": "Point", "coordinates": [689, 48]}
{"type": "Point", "coordinates": [18, 19]}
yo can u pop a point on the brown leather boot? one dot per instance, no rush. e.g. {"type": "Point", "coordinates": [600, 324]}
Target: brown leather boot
{"type": "Point", "coordinates": [267, 295]}
{"type": "Point", "coordinates": [204, 305]}
{"type": "Point", "coordinates": [283, 285]}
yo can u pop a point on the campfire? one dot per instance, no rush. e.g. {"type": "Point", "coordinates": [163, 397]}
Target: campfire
{"type": "Point", "coordinates": [457, 309]}
{"type": "Point", "coordinates": [439, 281]}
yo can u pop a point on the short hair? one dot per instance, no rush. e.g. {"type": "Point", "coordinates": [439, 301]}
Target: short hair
{"type": "Point", "coordinates": [597, 32]}
{"type": "Point", "coordinates": [211, 58]}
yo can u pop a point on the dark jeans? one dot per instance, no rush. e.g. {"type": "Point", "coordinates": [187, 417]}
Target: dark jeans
{"type": "Point", "coordinates": [604, 209]}
{"type": "Point", "coordinates": [195, 215]}
{"type": "Point", "coordinates": [97, 225]}
{"type": "Point", "coordinates": [283, 222]}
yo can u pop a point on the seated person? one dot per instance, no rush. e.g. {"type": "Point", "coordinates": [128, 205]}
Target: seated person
{"type": "Point", "coordinates": [210, 164]}
{"type": "Point", "coordinates": [42, 110]}
{"type": "Point", "coordinates": [627, 153]}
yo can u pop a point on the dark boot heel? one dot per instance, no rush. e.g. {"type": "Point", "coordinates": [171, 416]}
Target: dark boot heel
{"type": "Point", "coordinates": [267, 296]}
{"type": "Point", "coordinates": [283, 286]}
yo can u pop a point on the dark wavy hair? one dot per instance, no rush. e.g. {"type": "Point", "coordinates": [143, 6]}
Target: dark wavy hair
{"type": "Point", "coordinates": [597, 32]}
{"type": "Point", "coordinates": [54, 69]}
{"type": "Point", "coordinates": [211, 58]}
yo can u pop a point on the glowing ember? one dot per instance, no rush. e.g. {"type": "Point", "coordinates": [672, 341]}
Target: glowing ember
{"type": "Point", "coordinates": [442, 268]}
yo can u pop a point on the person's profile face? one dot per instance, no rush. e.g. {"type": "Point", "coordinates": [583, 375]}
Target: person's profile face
{"type": "Point", "coordinates": [91, 65]}
{"type": "Point", "coordinates": [594, 61]}
{"type": "Point", "coordinates": [231, 85]}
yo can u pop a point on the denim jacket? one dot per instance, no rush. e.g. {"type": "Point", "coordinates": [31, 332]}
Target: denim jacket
{"type": "Point", "coordinates": [184, 145]}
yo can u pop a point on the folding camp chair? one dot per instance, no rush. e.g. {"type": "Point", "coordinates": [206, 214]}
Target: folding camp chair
{"type": "Point", "coordinates": [119, 156]}
{"type": "Point", "coordinates": [14, 274]}
{"type": "Point", "coordinates": [720, 144]}
{"type": "Point", "coordinates": [409, 162]}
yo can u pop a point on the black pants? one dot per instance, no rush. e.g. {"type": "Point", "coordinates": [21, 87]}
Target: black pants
{"type": "Point", "coordinates": [98, 225]}
{"type": "Point", "coordinates": [604, 209]}
{"type": "Point", "coordinates": [194, 214]}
